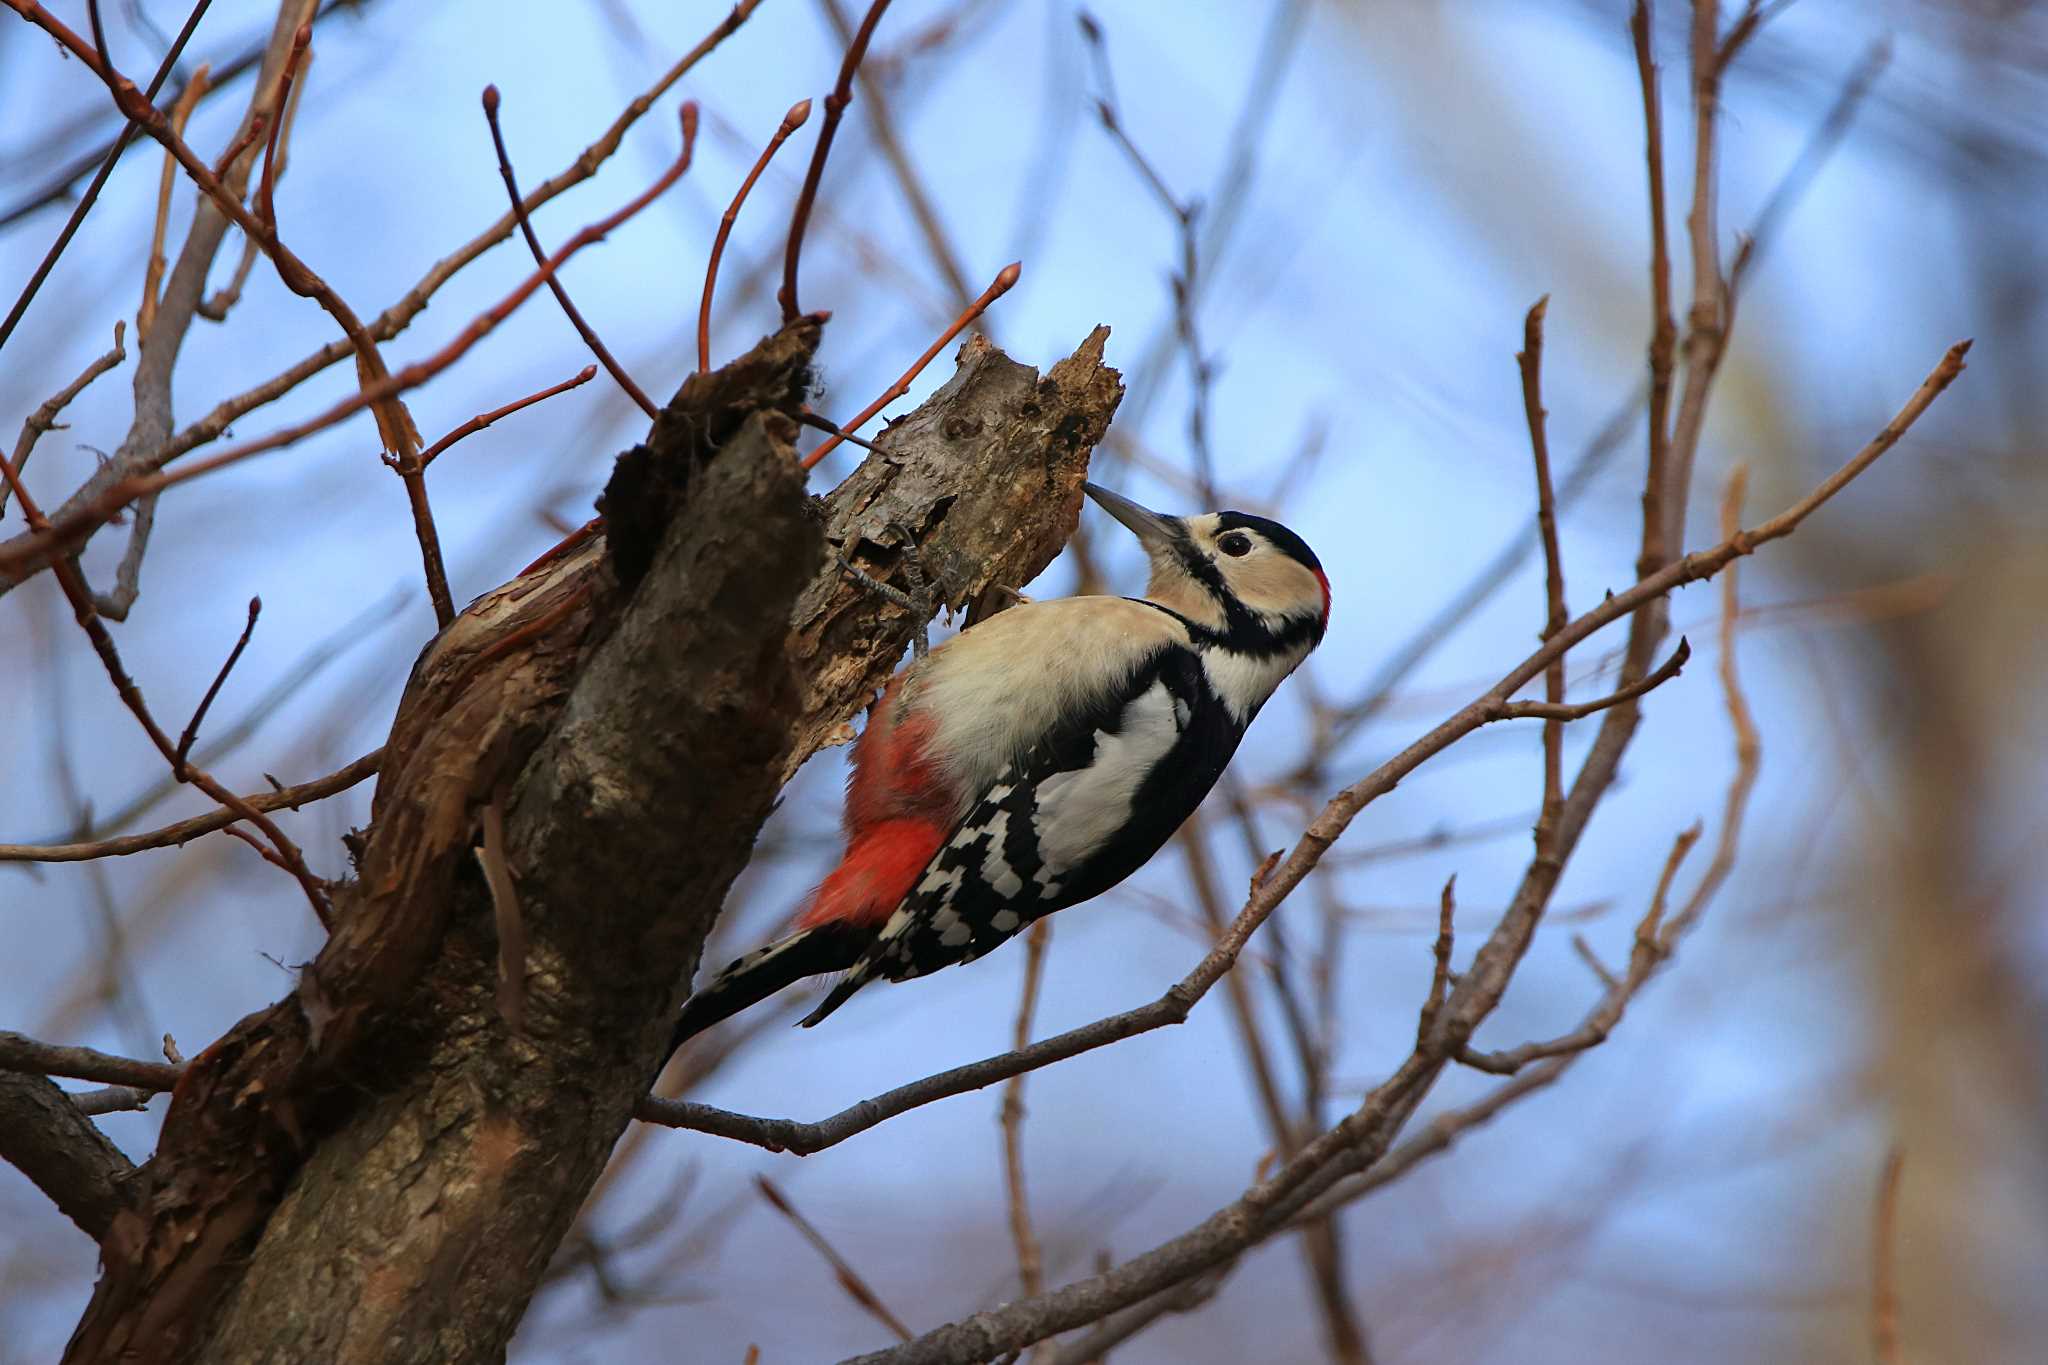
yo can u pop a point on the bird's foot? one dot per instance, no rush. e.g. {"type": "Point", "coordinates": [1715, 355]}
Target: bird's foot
{"type": "Point", "coordinates": [915, 597]}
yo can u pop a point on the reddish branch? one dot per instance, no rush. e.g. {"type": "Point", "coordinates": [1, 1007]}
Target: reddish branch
{"type": "Point", "coordinates": [998, 287]}
{"type": "Point", "coordinates": [791, 121]}
{"type": "Point", "coordinates": [178, 765]}
{"type": "Point", "coordinates": [835, 109]}
{"type": "Point", "coordinates": [540, 257]}
{"type": "Point", "coordinates": [484, 419]}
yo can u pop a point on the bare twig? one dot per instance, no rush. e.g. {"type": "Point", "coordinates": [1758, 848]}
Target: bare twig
{"type": "Point", "coordinates": [1663, 328]}
{"type": "Point", "coordinates": [179, 767]}
{"type": "Point", "coordinates": [902, 167]}
{"type": "Point", "coordinates": [24, 1054]}
{"type": "Point", "coordinates": [998, 287]}
{"type": "Point", "coordinates": [791, 121]}
{"type": "Point", "coordinates": [1030, 1260]}
{"type": "Point", "coordinates": [1651, 949]}
{"type": "Point", "coordinates": [1440, 953]}
{"type": "Point", "coordinates": [281, 850]}
{"type": "Point", "coordinates": [1748, 745]}
{"type": "Point", "coordinates": [484, 419]}
{"type": "Point", "coordinates": [1530, 362]}
{"type": "Point", "coordinates": [44, 418]}
{"type": "Point", "coordinates": [1552, 713]}
{"type": "Point", "coordinates": [849, 1279]}
{"type": "Point", "coordinates": [835, 109]}
{"type": "Point", "coordinates": [540, 257]}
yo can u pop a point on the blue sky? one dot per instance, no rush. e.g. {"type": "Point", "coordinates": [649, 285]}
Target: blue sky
{"type": "Point", "coordinates": [1424, 172]}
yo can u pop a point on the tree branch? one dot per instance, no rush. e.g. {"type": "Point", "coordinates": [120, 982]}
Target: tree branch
{"type": "Point", "coordinates": [49, 1139]}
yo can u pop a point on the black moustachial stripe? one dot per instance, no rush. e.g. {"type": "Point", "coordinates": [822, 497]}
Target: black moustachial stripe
{"type": "Point", "coordinates": [1244, 630]}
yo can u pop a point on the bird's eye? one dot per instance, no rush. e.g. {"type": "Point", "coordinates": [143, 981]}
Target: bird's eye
{"type": "Point", "coordinates": [1236, 544]}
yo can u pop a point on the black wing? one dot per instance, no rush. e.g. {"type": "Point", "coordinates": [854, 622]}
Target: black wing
{"type": "Point", "coordinates": [1086, 807]}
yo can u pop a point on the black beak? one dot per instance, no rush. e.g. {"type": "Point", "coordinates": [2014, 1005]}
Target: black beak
{"type": "Point", "coordinates": [1152, 529]}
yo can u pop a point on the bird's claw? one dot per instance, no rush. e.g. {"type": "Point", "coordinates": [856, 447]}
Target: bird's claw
{"type": "Point", "coordinates": [915, 597]}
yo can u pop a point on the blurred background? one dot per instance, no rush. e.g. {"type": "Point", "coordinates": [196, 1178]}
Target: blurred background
{"type": "Point", "coordinates": [1384, 189]}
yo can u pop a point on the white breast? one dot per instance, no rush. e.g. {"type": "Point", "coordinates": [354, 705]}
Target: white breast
{"type": "Point", "coordinates": [996, 690]}
{"type": "Point", "coordinates": [1243, 681]}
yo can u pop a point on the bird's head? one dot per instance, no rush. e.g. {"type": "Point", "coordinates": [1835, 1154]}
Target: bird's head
{"type": "Point", "coordinates": [1245, 577]}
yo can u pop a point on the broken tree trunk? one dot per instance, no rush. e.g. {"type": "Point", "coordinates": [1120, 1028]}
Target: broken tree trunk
{"type": "Point", "coordinates": [378, 1167]}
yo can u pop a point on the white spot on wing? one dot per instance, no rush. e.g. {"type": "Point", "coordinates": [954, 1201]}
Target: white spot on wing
{"type": "Point", "coordinates": [1004, 921]}
{"type": "Point", "coordinates": [1080, 811]}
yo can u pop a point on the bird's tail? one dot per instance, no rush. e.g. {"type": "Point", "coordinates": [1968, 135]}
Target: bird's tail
{"type": "Point", "coordinates": [761, 973]}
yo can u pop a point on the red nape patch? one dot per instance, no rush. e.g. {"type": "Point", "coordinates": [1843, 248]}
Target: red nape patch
{"type": "Point", "coordinates": [882, 863]}
{"type": "Point", "coordinates": [1324, 580]}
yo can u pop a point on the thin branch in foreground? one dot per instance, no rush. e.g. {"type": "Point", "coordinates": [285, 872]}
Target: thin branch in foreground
{"type": "Point", "coordinates": [835, 109]}
{"type": "Point", "coordinates": [19, 1052]}
{"type": "Point", "coordinates": [803, 1139]}
{"type": "Point", "coordinates": [1551, 713]}
{"type": "Point", "coordinates": [540, 257]}
{"type": "Point", "coordinates": [1030, 1259]}
{"type": "Point", "coordinates": [179, 767]}
{"type": "Point", "coordinates": [1005, 278]}
{"type": "Point", "coordinates": [44, 418]}
{"type": "Point", "coordinates": [484, 419]}
{"type": "Point", "coordinates": [1530, 362]}
{"type": "Point", "coordinates": [791, 121]}
{"type": "Point", "coordinates": [901, 166]}
{"type": "Point", "coordinates": [849, 1279]}
{"type": "Point", "coordinates": [1440, 976]}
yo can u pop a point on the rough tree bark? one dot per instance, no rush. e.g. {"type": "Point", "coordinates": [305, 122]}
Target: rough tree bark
{"type": "Point", "coordinates": [378, 1167]}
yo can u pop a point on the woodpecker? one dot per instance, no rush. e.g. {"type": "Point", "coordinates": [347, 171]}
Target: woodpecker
{"type": "Point", "coordinates": [1036, 760]}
